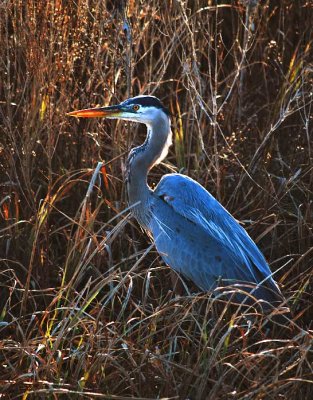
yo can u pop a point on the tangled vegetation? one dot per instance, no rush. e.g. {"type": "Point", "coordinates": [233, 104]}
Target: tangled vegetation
{"type": "Point", "coordinates": [86, 305]}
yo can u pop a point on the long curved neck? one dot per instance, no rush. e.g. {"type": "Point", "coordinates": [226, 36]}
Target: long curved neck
{"type": "Point", "coordinates": [141, 159]}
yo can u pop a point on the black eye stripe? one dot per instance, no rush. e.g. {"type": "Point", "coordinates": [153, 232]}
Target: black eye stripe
{"type": "Point", "coordinates": [146, 101]}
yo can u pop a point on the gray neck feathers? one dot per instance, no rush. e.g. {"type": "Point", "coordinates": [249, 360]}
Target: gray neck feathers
{"type": "Point", "coordinates": [141, 159]}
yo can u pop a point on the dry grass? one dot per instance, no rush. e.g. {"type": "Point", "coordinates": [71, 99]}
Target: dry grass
{"type": "Point", "coordinates": [86, 308]}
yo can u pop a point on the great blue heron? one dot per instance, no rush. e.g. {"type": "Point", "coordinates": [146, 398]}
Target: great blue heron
{"type": "Point", "coordinates": [192, 231]}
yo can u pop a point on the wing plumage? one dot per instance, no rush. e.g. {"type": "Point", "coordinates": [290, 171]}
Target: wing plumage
{"type": "Point", "coordinates": [196, 236]}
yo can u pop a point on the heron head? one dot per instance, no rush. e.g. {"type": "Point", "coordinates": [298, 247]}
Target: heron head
{"type": "Point", "coordinates": [144, 109]}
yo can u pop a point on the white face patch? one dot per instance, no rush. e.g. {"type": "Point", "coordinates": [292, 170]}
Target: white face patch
{"type": "Point", "coordinates": [144, 115]}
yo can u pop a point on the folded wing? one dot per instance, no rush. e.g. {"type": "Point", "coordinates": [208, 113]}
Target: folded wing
{"type": "Point", "coordinates": [197, 237]}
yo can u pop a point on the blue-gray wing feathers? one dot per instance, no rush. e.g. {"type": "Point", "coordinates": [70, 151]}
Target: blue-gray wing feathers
{"type": "Point", "coordinates": [196, 236]}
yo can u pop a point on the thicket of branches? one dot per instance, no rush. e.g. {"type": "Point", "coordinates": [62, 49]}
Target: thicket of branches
{"type": "Point", "coordinates": [86, 306]}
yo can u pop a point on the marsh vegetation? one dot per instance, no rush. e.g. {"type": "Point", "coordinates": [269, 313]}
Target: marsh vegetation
{"type": "Point", "coordinates": [86, 304]}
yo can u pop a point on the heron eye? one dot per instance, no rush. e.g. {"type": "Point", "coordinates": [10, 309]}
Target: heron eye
{"type": "Point", "coordinates": [135, 107]}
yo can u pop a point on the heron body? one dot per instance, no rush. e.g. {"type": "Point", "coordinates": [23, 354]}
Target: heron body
{"type": "Point", "coordinates": [194, 234]}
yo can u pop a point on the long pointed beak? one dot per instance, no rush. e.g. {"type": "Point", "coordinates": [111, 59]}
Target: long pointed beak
{"type": "Point", "coordinates": [109, 112]}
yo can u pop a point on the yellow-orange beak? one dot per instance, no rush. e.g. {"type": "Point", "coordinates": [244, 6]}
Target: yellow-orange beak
{"type": "Point", "coordinates": [111, 111]}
